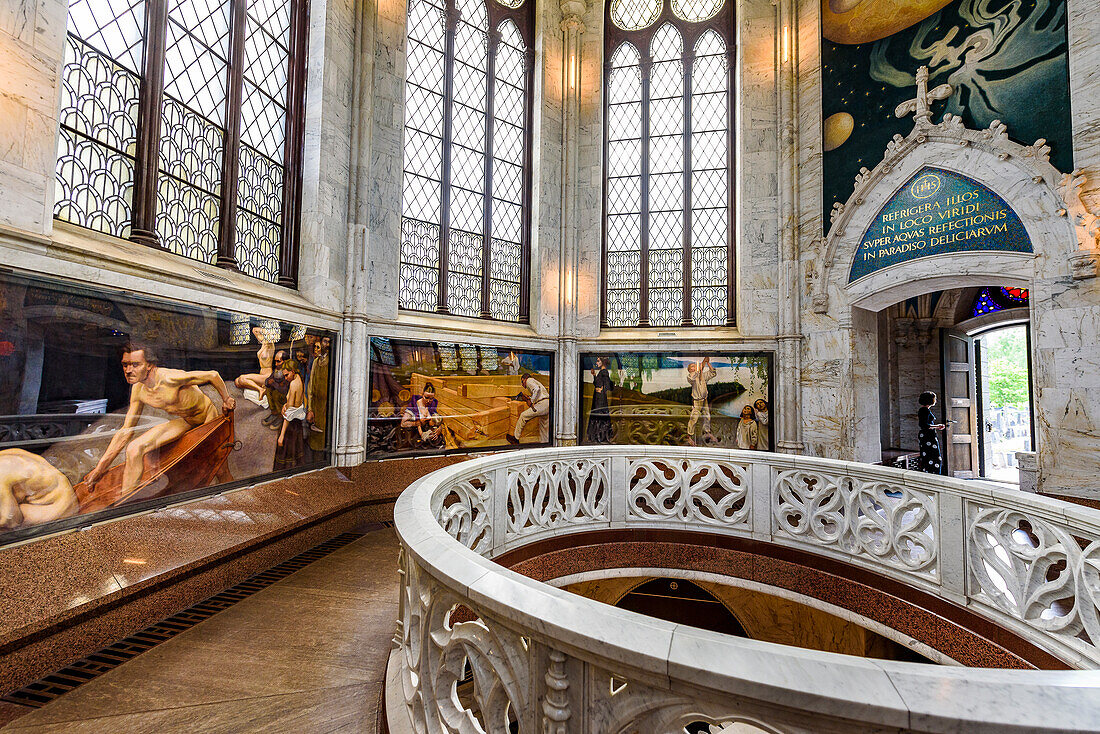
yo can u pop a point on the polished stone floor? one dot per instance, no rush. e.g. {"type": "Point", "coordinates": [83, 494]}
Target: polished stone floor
{"type": "Point", "coordinates": [307, 654]}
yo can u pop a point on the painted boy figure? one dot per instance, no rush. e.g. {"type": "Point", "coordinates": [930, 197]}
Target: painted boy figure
{"type": "Point", "coordinates": [698, 375]}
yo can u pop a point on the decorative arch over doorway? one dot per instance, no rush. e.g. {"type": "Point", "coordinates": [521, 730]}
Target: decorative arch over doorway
{"type": "Point", "coordinates": [1060, 275]}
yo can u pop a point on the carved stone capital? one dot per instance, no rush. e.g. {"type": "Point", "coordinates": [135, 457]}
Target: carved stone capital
{"type": "Point", "coordinates": [1086, 225]}
{"type": "Point", "coordinates": [572, 23]}
{"type": "Point", "coordinates": [572, 12]}
{"type": "Point", "coordinates": [1083, 265]}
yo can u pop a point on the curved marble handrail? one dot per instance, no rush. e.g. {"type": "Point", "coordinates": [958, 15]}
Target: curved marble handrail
{"type": "Point", "coordinates": [555, 662]}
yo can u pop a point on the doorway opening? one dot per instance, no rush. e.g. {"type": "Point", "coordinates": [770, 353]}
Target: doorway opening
{"type": "Point", "coordinates": [971, 347]}
{"type": "Point", "coordinates": [1003, 378]}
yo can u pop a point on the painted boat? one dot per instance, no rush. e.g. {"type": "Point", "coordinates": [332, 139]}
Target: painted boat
{"type": "Point", "coordinates": [193, 461]}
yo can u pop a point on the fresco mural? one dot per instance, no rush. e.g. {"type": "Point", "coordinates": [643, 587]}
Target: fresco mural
{"type": "Point", "coordinates": [1006, 60]}
{"type": "Point", "coordinates": [679, 399]}
{"type": "Point", "coordinates": [438, 397]}
{"type": "Point", "coordinates": [110, 403]}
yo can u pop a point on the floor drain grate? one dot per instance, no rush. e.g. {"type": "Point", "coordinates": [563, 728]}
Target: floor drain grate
{"type": "Point", "coordinates": [41, 692]}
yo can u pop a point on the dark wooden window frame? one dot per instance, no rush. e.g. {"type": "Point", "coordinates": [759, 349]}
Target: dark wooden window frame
{"type": "Point", "coordinates": [724, 24]}
{"type": "Point", "coordinates": [147, 147]}
{"type": "Point", "coordinates": [523, 17]}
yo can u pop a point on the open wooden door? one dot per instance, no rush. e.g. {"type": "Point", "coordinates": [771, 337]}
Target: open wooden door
{"type": "Point", "coordinates": [959, 405]}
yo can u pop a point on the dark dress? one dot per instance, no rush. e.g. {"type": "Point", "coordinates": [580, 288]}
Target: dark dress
{"type": "Point", "coordinates": [599, 417]}
{"type": "Point", "coordinates": [929, 442]}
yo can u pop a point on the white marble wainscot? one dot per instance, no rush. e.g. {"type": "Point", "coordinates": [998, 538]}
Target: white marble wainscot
{"type": "Point", "coordinates": [589, 183]}
{"type": "Point", "coordinates": [377, 162]}
{"type": "Point", "coordinates": [32, 36]}
{"type": "Point", "coordinates": [757, 166]}
{"type": "Point", "coordinates": [1083, 28]}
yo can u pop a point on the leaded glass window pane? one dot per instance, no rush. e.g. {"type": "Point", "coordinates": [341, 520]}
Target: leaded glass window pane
{"type": "Point", "coordinates": [191, 148]}
{"type": "Point", "coordinates": [464, 193]}
{"type": "Point", "coordinates": [709, 180]}
{"type": "Point", "coordinates": [102, 82]}
{"type": "Point", "coordinates": [633, 15]}
{"type": "Point", "coordinates": [421, 197]}
{"type": "Point", "coordinates": [624, 187]}
{"type": "Point", "coordinates": [666, 178]}
{"type": "Point", "coordinates": [667, 208]}
{"type": "Point", "coordinates": [509, 150]}
{"type": "Point", "coordinates": [261, 168]}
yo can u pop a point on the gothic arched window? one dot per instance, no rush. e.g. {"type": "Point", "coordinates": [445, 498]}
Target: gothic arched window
{"type": "Point", "coordinates": [181, 127]}
{"type": "Point", "coordinates": [465, 203]}
{"type": "Point", "coordinates": [668, 163]}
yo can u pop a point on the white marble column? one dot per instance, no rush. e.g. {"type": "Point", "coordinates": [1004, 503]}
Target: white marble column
{"type": "Point", "coordinates": [572, 27]}
{"type": "Point", "coordinates": [351, 424]}
{"type": "Point", "coordinates": [789, 372]}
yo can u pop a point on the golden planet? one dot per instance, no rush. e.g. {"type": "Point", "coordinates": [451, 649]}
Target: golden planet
{"type": "Point", "coordinates": [837, 129]}
{"type": "Point", "coordinates": [863, 21]}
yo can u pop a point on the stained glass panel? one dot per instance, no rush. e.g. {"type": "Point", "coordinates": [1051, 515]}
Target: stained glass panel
{"type": "Point", "coordinates": [984, 303]}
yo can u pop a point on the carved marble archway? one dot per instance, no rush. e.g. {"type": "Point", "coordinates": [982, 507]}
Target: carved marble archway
{"type": "Point", "coordinates": [1063, 232]}
{"type": "Point", "coordinates": [840, 352]}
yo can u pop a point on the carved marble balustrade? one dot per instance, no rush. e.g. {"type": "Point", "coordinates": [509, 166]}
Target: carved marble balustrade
{"type": "Point", "coordinates": [482, 648]}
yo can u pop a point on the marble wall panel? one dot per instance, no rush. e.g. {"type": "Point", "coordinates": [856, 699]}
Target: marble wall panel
{"type": "Point", "coordinates": [31, 38]}
{"type": "Point", "coordinates": [326, 153]}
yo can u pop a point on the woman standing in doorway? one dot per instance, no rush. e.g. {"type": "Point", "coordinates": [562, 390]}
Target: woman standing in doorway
{"type": "Point", "coordinates": [930, 460]}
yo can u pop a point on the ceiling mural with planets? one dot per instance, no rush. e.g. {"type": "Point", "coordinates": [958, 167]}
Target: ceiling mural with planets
{"type": "Point", "coordinates": [1005, 59]}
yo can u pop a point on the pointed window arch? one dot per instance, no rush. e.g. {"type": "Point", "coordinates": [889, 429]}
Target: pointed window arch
{"type": "Point", "coordinates": [668, 200]}
{"type": "Point", "coordinates": [466, 184]}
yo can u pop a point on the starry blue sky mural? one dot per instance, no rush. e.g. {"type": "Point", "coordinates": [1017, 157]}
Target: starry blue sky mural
{"type": "Point", "coordinates": [1006, 60]}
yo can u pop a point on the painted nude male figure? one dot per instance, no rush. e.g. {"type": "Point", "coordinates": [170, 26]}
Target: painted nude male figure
{"type": "Point", "coordinates": [265, 356]}
{"type": "Point", "coordinates": [32, 491]}
{"type": "Point", "coordinates": [174, 391]}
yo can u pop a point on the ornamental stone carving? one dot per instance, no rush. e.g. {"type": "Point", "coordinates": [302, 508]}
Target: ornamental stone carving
{"type": "Point", "coordinates": [1034, 159]}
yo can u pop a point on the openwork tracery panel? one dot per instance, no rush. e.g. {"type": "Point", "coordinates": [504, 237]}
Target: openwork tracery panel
{"type": "Point", "coordinates": [890, 523]}
{"type": "Point", "coordinates": [668, 164]}
{"type": "Point", "coordinates": [465, 189]}
{"type": "Point", "coordinates": [1037, 572]}
{"type": "Point", "coordinates": [689, 490]}
{"type": "Point", "coordinates": [556, 494]}
{"type": "Point", "coordinates": [206, 176]}
{"type": "Point", "coordinates": [440, 655]}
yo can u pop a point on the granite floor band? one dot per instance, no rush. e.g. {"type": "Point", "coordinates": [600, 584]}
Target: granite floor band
{"type": "Point", "coordinates": [305, 654]}
{"type": "Point", "coordinates": [41, 692]}
{"type": "Point", "coordinates": [67, 596]}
